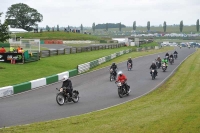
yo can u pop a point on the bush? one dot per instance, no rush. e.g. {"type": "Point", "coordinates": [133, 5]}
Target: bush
{"type": "Point", "coordinates": [103, 41]}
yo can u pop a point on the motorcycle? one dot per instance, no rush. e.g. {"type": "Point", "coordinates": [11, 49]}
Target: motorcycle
{"type": "Point", "coordinates": [175, 56]}
{"type": "Point", "coordinates": [153, 74]}
{"type": "Point", "coordinates": [112, 75]}
{"type": "Point", "coordinates": [158, 64]}
{"type": "Point", "coordinates": [164, 67]}
{"type": "Point", "coordinates": [121, 89]}
{"type": "Point", "coordinates": [129, 66]}
{"type": "Point", "coordinates": [167, 57]}
{"type": "Point", "coordinates": [64, 97]}
{"type": "Point", "coordinates": [171, 60]}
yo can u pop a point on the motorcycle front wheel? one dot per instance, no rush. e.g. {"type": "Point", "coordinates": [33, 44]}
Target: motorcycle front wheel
{"type": "Point", "coordinates": [120, 92]}
{"type": "Point", "coordinates": [60, 99]}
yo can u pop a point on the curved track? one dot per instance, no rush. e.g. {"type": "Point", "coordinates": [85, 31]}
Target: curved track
{"type": "Point", "coordinates": [96, 92]}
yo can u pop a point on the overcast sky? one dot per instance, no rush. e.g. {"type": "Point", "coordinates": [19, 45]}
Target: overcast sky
{"type": "Point", "coordinates": [77, 12]}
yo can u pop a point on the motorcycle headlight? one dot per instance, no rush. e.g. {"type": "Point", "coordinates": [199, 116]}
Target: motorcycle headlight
{"type": "Point", "coordinates": [119, 84]}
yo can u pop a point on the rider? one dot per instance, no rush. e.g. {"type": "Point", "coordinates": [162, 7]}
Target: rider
{"type": "Point", "coordinates": [114, 67]}
{"type": "Point", "coordinates": [171, 56]}
{"type": "Point", "coordinates": [159, 60]}
{"type": "Point", "coordinates": [68, 84]}
{"type": "Point", "coordinates": [175, 52]}
{"type": "Point", "coordinates": [167, 54]}
{"type": "Point", "coordinates": [130, 61]}
{"type": "Point", "coordinates": [153, 66]}
{"type": "Point", "coordinates": [122, 78]}
{"type": "Point", "coordinates": [165, 61]}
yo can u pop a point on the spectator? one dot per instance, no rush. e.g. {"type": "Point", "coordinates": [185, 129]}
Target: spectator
{"type": "Point", "coordinates": [18, 49]}
{"type": "Point", "coordinates": [21, 50]}
{"type": "Point", "coordinates": [2, 50]}
{"type": "Point", "coordinates": [11, 49]}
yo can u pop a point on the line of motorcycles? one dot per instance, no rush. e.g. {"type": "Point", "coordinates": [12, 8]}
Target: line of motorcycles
{"type": "Point", "coordinates": [163, 65]}
{"type": "Point", "coordinates": [64, 97]}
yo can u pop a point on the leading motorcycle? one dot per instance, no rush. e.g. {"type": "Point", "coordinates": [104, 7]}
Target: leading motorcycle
{"type": "Point", "coordinates": [64, 97]}
{"type": "Point", "coordinates": [122, 90]}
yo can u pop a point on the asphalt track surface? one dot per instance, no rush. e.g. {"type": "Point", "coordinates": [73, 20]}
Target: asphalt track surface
{"type": "Point", "coordinates": [96, 92]}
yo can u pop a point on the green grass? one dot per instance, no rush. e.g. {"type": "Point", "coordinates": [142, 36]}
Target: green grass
{"type": "Point", "coordinates": [57, 36]}
{"type": "Point", "coordinates": [172, 108]}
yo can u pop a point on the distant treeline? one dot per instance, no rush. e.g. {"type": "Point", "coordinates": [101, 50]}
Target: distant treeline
{"type": "Point", "coordinates": [110, 25]}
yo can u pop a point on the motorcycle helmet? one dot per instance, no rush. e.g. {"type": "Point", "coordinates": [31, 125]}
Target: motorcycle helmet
{"type": "Point", "coordinates": [65, 77]}
{"type": "Point", "coordinates": [153, 62]}
{"type": "Point", "coordinates": [158, 55]}
{"type": "Point", "coordinates": [113, 63]}
{"type": "Point", "coordinates": [120, 73]}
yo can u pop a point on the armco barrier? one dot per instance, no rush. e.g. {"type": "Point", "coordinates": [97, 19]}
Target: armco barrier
{"type": "Point", "coordinates": [6, 91]}
{"type": "Point", "coordinates": [87, 66]}
{"type": "Point", "coordinates": [22, 87]}
{"type": "Point", "coordinates": [102, 60]}
{"type": "Point", "coordinates": [38, 82]}
{"type": "Point", "coordinates": [83, 67]}
{"type": "Point", "coordinates": [73, 72]}
{"type": "Point", "coordinates": [51, 79]}
{"type": "Point", "coordinates": [94, 63]}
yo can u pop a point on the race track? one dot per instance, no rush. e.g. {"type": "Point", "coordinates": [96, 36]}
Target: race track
{"type": "Point", "coordinates": [96, 92]}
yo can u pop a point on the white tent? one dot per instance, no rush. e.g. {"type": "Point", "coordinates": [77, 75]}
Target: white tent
{"type": "Point", "coordinates": [16, 30]}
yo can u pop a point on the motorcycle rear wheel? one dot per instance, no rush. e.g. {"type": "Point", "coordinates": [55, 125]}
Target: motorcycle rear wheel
{"type": "Point", "coordinates": [75, 98]}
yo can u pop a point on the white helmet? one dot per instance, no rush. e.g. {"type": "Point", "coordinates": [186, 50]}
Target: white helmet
{"type": "Point", "coordinates": [158, 55]}
{"type": "Point", "coordinates": [120, 72]}
{"type": "Point", "coordinates": [65, 77]}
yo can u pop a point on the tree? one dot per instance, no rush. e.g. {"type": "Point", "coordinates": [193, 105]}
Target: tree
{"type": "Point", "coordinates": [57, 27]}
{"type": "Point", "coordinates": [120, 27]}
{"type": "Point", "coordinates": [134, 25]}
{"type": "Point", "coordinates": [106, 26]}
{"type": "Point", "coordinates": [164, 26]}
{"type": "Point", "coordinates": [93, 27]}
{"type": "Point", "coordinates": [181, 26]}
{"type": "Point", "coordinates": [4, 31]}
{"type": "Point", "coordinates": [148, 26]}
{"type": "Point", "coordinates": [81, 28]}
{"type": "Point", "coordinates": [68, 28]}
{"type": "Point", "coordinates": [197, 25]}
{"type": "Point", "coordinates": [22, 16]}
{"type": "Point", "coordinates": [47, 28]}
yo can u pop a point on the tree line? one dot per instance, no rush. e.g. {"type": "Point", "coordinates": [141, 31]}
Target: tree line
{"type": "Point", "coordinates": [27, 18]}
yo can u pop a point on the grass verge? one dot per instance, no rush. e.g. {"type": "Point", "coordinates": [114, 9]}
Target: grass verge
{"type": "Point", "coordinates": [173, 107]}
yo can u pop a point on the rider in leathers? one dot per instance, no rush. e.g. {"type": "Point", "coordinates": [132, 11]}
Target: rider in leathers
{"type": "Point", "coordinates": [153, 66]}
{"type": "Point", "coordinates": [130, 61]}
{"type": "Point", "coordinates": [68, 84]}
{"type": "Point", "coordinates": [122, 78]}
{"type": "Point", "coordinates": [171, 56]}
{"type": "Point", "coordinates": [114, 67]}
